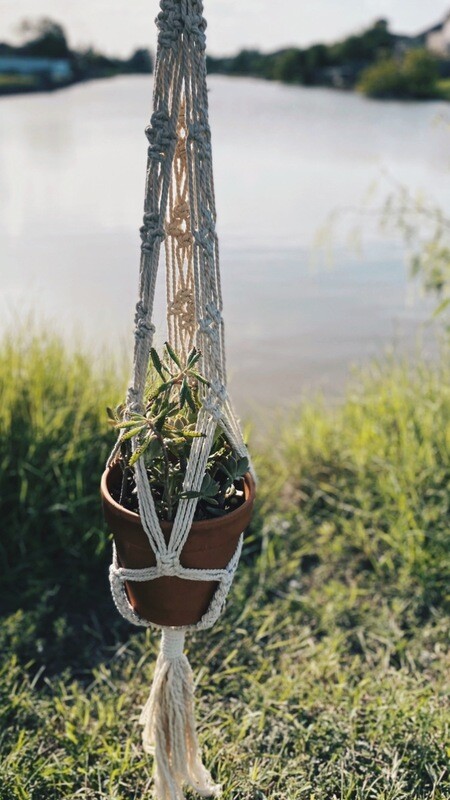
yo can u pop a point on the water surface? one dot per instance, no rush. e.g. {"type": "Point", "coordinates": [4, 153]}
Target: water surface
{"type": "Point", "coordinates": [72, 170]}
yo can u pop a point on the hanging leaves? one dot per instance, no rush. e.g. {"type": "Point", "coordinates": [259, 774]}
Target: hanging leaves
{"type": "Point", "coordinates": [163, 435]}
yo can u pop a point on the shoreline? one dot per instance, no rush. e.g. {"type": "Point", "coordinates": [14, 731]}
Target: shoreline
{"type": "Point", "coordinates": [18, 89]}
{"type": "Point", "coordinates": [41, 87]}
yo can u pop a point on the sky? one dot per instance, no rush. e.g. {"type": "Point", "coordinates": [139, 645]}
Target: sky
{"type": "Point", "coordinates": [119, 26]}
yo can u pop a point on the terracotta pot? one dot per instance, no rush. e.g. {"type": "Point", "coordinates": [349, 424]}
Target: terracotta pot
{"type": "Point", "coordinates": [210, 545]}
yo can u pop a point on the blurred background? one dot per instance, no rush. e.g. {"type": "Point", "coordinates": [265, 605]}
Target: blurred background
{"type": "Point", "coordinates": [331, 153]}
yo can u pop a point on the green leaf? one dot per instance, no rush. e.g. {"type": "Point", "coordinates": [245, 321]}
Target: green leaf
{"type": "Point", "coordinates": [215, 512]}
{"type": "Point", "coordinates": [154, 449]}
{"type": "Point", "coordinates": [194, 356]}
{"type": "Point", "coordinates": [190, 399]}
{"type": "Point", "coordinates": [129, 423]}
{"type": "Point", "coordinates": [135, 457]}
{"type": "Point", "coordinates": [209, 488]}
{"type": "Point", "coordinates": [166, 410]}
{"type": "Point", "coordinates": [183, 393]}
{"type": "Point", "coordinates": [189, 495]}
{"type": "Point", "coordinates": [199, 377]}
{"type": "Point", "coordinates": [111, 414]}
{"type": "Point", "coordinates": [157, 363]}
{"type": "Point", "coordinates": [208, 499]}
{"type": "Point", "coordinates": [229, 467]}
{"type": "Point", "coordinates": [243, 466]}
{"type": "Point", "coordinates": [188, 434]}
{"type": "Point", "coordinates": [140, 450]}
{"type": "Point", "coordinates": [161, 388]}
{"type": "Point", "coordinates": [133, 432]}
{"type": "Point", "coordinates": [173, 355]}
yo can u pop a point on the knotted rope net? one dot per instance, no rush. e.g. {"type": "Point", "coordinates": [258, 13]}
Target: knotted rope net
{"type": "Point", "coordinates": [180, 211]}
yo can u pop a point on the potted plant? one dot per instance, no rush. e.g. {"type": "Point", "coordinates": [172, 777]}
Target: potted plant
{"type": "Point", "coordinates": [162, 435]}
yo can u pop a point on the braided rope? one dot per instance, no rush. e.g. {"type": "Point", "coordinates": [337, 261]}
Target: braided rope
{"type": "Point", "coordinates": [179, 209]}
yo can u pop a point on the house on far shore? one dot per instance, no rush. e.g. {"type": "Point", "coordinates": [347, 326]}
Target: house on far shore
{"type": "Point", "coordinates": [437, 38]}
{"type": "Point", "coordinates": [52, 70]}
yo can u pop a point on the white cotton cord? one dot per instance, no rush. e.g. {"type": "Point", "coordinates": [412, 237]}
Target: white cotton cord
{"type": "Point", "coordinates": [147, 509]}
{"type": "Point", "coordinates": [223, 577]}
{"type": "Point", "coordinates": [169, 729]}
{"type": "Point", "coordinates": [195, 472]}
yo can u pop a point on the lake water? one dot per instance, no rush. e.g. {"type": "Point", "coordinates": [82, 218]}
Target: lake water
{"type": "Point", "coordinates": [71, 191]}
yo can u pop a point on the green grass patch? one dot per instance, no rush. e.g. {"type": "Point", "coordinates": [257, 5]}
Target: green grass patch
{"type": "Point", "coordinates": [328, 675]}
{"type": "Point", "coordinates": [11, 81]}
{"type": "Point", "coordinates": [443, 86]}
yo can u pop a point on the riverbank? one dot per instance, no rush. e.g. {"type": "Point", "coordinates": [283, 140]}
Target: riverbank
{"type": "Point", "coordinates": [375, 61]}
{"type": "Point", "coordinates": [45, 62]}
{"type": "Point", "coordinates": [32, 84]}
{"type": "Point", "coordinates": [330, 666]}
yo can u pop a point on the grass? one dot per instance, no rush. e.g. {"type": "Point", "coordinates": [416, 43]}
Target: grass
{"type": "Point", "coordinates": [443, 87]}
{"type": "Point", "coordinates": [327, 678]}
{"type": "Point", "coordinates": [15, 80]}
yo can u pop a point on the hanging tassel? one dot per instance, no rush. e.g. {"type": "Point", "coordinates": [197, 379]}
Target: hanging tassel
{"type": "Point", "coordinates": [169, 724]}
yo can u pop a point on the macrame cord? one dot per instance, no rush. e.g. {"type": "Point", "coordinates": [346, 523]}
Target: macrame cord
{"type": "Point", "coordinates": [179, 209]}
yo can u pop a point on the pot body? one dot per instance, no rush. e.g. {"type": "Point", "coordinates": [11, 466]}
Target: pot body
{"type": "Point", "coordinates": [171, 600]}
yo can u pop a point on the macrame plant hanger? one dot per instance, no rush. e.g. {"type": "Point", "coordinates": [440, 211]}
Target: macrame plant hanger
{"type": "Point", "coordinates": [179, 210]}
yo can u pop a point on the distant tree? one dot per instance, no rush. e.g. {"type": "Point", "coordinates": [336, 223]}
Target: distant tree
{"type": "Point", "coordinates": [44, 38]}
{"type": "Point", "coordinates": [316, 58]}
{"type": "Point", "coordinates": [289, 66]}
{"type": "Point", "coordinates": [384, 79]}
{"type": "Point", "coordinates": [140, 62]}
{"type": "Point", "coordinates": [247, 62]}
{"type": "Point", "coordinates": [415, 75]}
{"type": "Point", "coordinates": [367, 46]}
{"type": "Point", "coordinates": [421, 73]}
{"type": "Point", "coordinates": [92, 64]}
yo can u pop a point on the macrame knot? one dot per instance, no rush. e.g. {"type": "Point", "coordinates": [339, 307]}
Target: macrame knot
{"type": "Point", "coordinates": [134, 403]}
{"type": "Point", "coordinates": [203, 239]}
{"type": "Point", "coordinates": [179, 17]}
{"type": "Point", "coordinates": [160, 135]}
{"type": "Point", "coordinates": [214, 313]}
{"type": "Point", "coordinates": [209, 324]}
{"type": "Point", "coordinates": [172, 643]}
{"type": "Point", "coordinates": [220, 390]}
{"type": "Point", "coordinates": [209, 225]}
{"type": "Point", "coordinates": [150, 231]}
{"type": "Point", "coordinates": [195, 26]}
{"type": "Point", "coordinates": [143, 327]}
{"type": "Point", "coordinates": [213, 408]}
{"type": "Point", "coordinates": [167, 563]}
{"type": "Point", "coordinates": [204, 326]}
{"type": "Point", "coordinates": [170, 26]}
{"type": "Point", "coordinates": [183, 237]}
{"type": "Point", "coordinates": [199, 133]}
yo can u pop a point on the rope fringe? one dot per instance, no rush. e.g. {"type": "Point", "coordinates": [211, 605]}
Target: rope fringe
{"type": "Point", "coordinates": [169, 730]}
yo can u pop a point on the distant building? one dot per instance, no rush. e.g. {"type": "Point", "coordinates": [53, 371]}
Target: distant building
{"type": "Point", "coordinates": [403, 43]}
{"type": "Point", "coordinates": [437, 38]}
{"type": "Point", "coordinates": [57, 70]}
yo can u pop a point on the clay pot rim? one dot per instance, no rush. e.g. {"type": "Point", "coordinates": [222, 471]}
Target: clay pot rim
{"type": "Point", "coordinates": [131, 516]}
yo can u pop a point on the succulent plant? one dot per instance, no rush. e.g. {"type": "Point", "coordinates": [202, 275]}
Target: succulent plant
{"type": "Point", "coordinates": [163, 435]}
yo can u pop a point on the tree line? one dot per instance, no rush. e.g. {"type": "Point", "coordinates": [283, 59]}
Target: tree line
{"type": "Point", "coordinates": [45, 38]}
{"type": "Point", "coordinates": [376, 61]}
